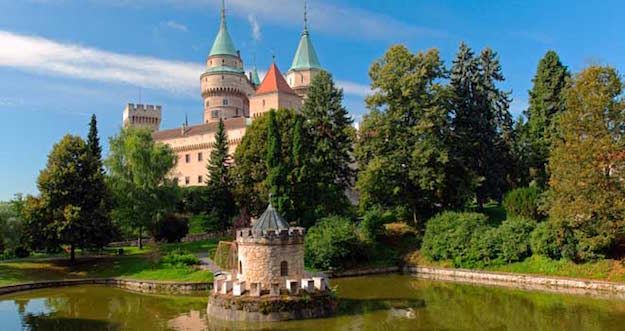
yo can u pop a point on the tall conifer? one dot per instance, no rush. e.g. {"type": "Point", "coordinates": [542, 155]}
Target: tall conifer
{"type": "Point", "coordinates": [219, 185]}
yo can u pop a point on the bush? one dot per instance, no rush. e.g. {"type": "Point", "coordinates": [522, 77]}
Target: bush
{"type": "Point", "coordinates": [524, 202]}
{"type": "Point", "coordinates": [448, 236]}
{"type": "Point", "coordinates": [179, 258]}
{"type": "Point", "coordinates": [554, 240]}
{"type": "Point", "coordinates": [372, 224]}
{"type": "Point", "coordinates": [514, 235]}
{"type": "Point", "coordinates": [331, 243]}
{"type": "Point", "coordinates": [172, 228]}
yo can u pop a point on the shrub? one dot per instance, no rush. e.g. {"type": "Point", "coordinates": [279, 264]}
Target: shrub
{"type": "Point", "coordinates": [448, 235]}
{"type": "Point", "coordinates": [331, 243]}
{"type": "Point", "coordinates": [554, 240]}
{"type": "Point", "coordinates": [514, 235]}
{"type": "Point", "coordinates": [524, 202]}
{"type": "Point", "coordinates": [179, 258]}
{"type": "Point", "coordinates": [372, 224]}
{"type": "Point", "coordinates": [172, 228]}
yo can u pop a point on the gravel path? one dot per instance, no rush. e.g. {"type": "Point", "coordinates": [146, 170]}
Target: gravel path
{"type": "Point", "coordinates": [207, 263]}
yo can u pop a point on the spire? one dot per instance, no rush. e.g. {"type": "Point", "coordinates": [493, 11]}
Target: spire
{"type": "Point", "coordinates": [255, 78]}
{"type": "Point", "coordinates": [305, 56]}
{"type": "Point", "coordinates": [223, 44]}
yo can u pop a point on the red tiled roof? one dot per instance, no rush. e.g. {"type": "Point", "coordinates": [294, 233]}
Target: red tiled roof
{"type": "Point", "coordinates": [233, 123]}
{"type": "Point", "coordinates": [274, 82]}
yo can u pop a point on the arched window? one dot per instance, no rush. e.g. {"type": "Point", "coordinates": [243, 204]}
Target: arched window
{"type": "Point", "coordinates": [240, 267]}
{"type": "Point", "coordinates": [284, 268]}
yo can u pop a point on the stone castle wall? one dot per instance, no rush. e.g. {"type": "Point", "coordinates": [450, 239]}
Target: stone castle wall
{"type": "Point", "coordinates": [261, 255]}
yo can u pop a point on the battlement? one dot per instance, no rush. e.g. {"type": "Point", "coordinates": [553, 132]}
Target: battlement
{"type": "Point", "coordinates": [289, 236]}
{"type": "Point", "coordinates": [140, 115]}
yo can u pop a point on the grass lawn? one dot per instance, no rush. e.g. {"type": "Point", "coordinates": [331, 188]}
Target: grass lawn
{"type": "Point", "coordinates": [135, 264]}
{"type": "Point", "coordinates": [610, 270]}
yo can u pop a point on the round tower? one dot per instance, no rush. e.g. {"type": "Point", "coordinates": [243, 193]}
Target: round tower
{"type": "Point", "coordinates": [225, 87]}
{"type": "Point", "coordinates": [270, 252]}
{"type": "Point", "coordinates": [305, 64]}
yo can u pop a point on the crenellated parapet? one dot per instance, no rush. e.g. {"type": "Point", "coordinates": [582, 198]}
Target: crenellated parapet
{"type": "Point", "coordinates": [290, 236]}
{"type": "Point", "coordinates": [144, 116]}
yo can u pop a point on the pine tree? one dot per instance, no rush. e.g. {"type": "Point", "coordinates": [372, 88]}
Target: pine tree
{"type": "Point", "coordinates": [328, 125]}
{"type": "Point", "coordinates": [276, 176]}
{"type": "Point", "coordinates": [546, 100]}
{"type": "Point", "coordinates": [482, 123]}
{"type": "Point", "coordinates": [300, 178]}
{"type": "Point", "coordinates": [219, 184]}
{"type": "Point", "coordinates": [93, 141]}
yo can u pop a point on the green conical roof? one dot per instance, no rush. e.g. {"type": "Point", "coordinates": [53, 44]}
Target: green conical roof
{"type": "Point", "coordinates": [255, 78]}
{"type": "Point", "coordinates": [223, 44]}
{"type": "Point", "coordinates": [305, 56]}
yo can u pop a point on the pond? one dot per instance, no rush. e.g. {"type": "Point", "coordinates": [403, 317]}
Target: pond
{"type": "Point", "coordinates": [390, 302]}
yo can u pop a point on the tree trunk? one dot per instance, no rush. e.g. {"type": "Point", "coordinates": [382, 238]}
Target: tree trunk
{"type": "Point", "coordinates": [72, 253]}
{"type": "Point", "coordinates": [140, 243]}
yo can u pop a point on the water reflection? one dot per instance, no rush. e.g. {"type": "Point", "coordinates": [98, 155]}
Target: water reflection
{"type": "Point", "coordinates": [368, 303]}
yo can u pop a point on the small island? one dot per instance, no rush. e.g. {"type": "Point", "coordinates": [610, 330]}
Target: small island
{"type": "Point", "coordinates": [268, 282]}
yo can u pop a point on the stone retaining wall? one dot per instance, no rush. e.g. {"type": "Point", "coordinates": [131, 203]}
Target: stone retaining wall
{"type": "Point", "coordinates": [144, 286]}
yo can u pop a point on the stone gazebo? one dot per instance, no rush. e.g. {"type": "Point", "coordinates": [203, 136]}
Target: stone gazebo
{"type": "Point", "coordinates": [269, 283]}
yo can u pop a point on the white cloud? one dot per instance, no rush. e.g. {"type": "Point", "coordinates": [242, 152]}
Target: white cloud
{"type": "Point", "coordinates": [41, 55]}
{"type": "Point", "coordinates": [256, 35]}
{"type": "Point", "coordinates": [352, 88]}
{"type": "Point", "coordinates": [176, 26]}
{"type": "Point", "coordinates": [51, 57]}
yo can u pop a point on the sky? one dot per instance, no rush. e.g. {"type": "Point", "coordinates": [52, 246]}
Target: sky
{"type": "Point", "coordinates": [63, 60]}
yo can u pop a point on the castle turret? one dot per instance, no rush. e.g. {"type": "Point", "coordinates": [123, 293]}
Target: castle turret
{"type": "Point", "coordinates": [271, 251]}
{"type": "Point", "coordinates": [142, 116]}
{"type": "Point", "coordinates": [225, 88]}
{"type": "Point", "coordinates": [305, 64]}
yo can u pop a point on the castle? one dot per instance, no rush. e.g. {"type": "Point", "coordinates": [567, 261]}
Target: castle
{"type": "Point", "coordinates": [232, 96]}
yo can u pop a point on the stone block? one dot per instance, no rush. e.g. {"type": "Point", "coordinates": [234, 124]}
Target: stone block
{"type": "Point", "coordinates": [238, 288]}
{"type": "Point", "coordinates": [255, 289]}
{"type": "Point", "coordinates": [274, 289]}
{"type": "Point", "coordinates": [308, 285]}
{"type": "Point", "coordinates": [293, 286]}
{"type": "Point", "coordinates": [226, 286]}
{"type": "Point", "coordinates": [320, 283]}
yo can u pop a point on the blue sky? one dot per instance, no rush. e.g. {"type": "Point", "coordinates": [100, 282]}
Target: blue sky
{"type": "Point", "coordinates": [62, 60]}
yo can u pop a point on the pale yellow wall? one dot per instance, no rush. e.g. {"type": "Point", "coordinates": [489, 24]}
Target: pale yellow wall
{"type": "Point", "coordinates": [300, 80]}
{"type": "Point", "coordinates": [192, 146]}
{"type": "Point", "coordinates": [233, 87]}
{"type": "Point", "coordinates": [223, 61]}
{"type": "Point", "coordinates": [262, 103]}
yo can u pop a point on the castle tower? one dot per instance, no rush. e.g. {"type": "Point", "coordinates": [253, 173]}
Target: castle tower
{"type": "Point", "coordinates": [270, 252]}
{"type": "Point", "coordinates": [225, 87]}
{"type": "Point", "coordinates": [305, 64]}
{"type": "Point", "coordinates": [273, 93]}
{"type": "Point", "coordinates": [142, 116]}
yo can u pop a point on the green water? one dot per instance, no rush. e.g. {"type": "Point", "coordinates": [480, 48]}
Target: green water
{"type": "Point", "coordinates": [367, 303]}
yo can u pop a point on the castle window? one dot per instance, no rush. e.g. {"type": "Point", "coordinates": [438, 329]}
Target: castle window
{"type": "Point", "coordinates": [208, 104]}
{"type": "Point", "coordinates": [223, 61]}
{"type": "Point", "coordinates": [200, 157]}
{"type": "Point", "coordinates": [263, 102]}
{"type": "Point", "coordinates": [222, 77]}
{"type": "Point", "coordinates": [214, 114]}
{"type": "Point", "coordinates": [284, 269]}
{"type": "Point", "coordinates": [240, 267]}
{"type": "Point", "coordinates": [302, 79]}
{"type": "Point", "coordinates": [225, 102]}
{"type": "Point", "coordinates": [199, 179]}
{"type": "Point", "coordinates": [187, 180]}
{"type": "Point", "coordinates": [187, 158]}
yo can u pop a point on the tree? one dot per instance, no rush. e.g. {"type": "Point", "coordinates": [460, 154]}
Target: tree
{"type": "Point", "coordinates": [99, 196]}
{"type": "Point", "coordinates": [250, 173]}
{"type": "Point", "coordinates": [546, 101]}
{"type": "Point", "coordinates": [402, 150]}
{"type": "Point", "coordinates": [67, 186]}
{"type": "Point", "coordinates": [482, 124]}
{"type": "Point", "coordinates": [587, 162]}
{"type": "Point", "coordinates": [276, 170]}
{"type": "Point", "coordinates": [219, 186]}
{"type": "Point", "coordinates": [138, 177]}
{"type": "Point", "coordinates": [328, 127]}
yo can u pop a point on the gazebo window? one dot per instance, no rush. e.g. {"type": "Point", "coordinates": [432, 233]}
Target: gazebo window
{"type": "Point", "coordinates": [284, 269]}
{"type": "Point", "coordinates": [240, 267]}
